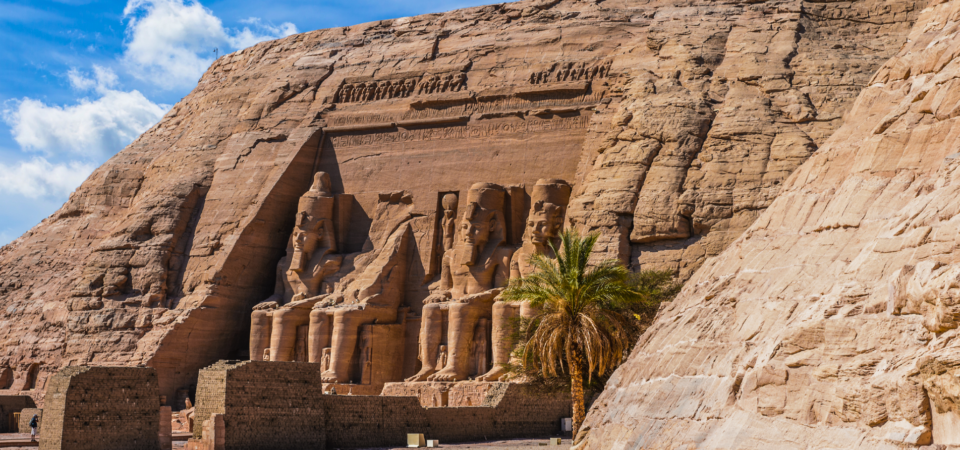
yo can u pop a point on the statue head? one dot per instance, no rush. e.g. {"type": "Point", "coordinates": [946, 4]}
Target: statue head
{"type": "Point", "coordinates": [482, 224]}
{"type": "Point", "coordinates": [549, 199]}
{"type": "Point", "coordinates": [313, 228]}
{"type": "Point", "coordinates": [449, 203]}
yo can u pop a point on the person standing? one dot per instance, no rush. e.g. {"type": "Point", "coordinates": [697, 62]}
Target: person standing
{"type": "Point", "coordinates": [34, 423]}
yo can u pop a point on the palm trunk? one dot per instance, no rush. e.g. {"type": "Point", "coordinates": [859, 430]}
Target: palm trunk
{"type": "Point", "coordinates": [575, 362]}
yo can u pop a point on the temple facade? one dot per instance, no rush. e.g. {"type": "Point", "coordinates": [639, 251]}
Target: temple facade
{"type": "Point", "coordinates": [358, 315]}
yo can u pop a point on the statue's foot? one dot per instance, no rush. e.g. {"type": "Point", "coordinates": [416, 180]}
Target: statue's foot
{"type": "Point", "coordinates": [329, 377]}
{"type": "Point", "coordinates": [446, 375]}
{"type": "Point", "coordinates": [421, 375]}
{"type": "Point", "coordinates": [493, 375]}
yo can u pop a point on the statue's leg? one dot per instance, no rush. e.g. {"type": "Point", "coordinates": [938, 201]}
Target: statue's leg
{"type": "Point", "coordinates": [260, 325]}
{"type": "Point", "coordinates": [283, 338]}
{"type": "Point", "coordinates": [527, 311]}
{"type": "Point", "coordinates": [346, 330]}
{"type": "Point", "coordinates": [505, 315]}
{"type": "Point", "coordinates": [463, 320]}
{"type": "Point", "coordinates": [431, 327]}
{"type": "Point", "coordinates": [319, 336]}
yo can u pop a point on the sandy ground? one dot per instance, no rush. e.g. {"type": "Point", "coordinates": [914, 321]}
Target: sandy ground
{"type": "Point", "coordinates": [491, 445]}
{"type": "Point", "coordinates": [497, 445]}
{"type": "Point", "coordinates": [21, 442]}
{"type": "Point", "coordinates": [16, 441]}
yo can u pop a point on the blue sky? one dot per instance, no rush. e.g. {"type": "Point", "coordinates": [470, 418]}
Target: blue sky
{"type": "Point", "coordinates": [80, 79]}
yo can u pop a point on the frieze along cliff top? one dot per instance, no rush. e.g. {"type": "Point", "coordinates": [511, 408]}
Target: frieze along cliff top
{"type": "Point", "coordinates": [667, 126]}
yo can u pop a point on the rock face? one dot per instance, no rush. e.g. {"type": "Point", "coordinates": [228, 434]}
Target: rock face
{"type": "Point", "coordinates": [674, 122]}
{"type": "Point", "coordinates": [832, 322]}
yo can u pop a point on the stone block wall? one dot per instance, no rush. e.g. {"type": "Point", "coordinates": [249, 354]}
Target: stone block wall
{"type": "Point", "coordinates": [441, 393]}
{"type": "Point", "coordinates": [87, 407]}
{"type": "Point", "coordinates": [10, 404]}
{"type": "Point", "coordinates": [26, 415]}
{"type": "Point", "coordinates": [281, 405]}
{"type": "Point", "coordinates": [370, 421]}
{"type": "Point", "coordinates": [264, 404]}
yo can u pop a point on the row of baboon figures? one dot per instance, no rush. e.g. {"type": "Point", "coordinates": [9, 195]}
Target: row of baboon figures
{"type": "Point", "coordinates": [382, 90]}
{"type": "Point", "coordinates": [571, 72]}
{"type": "Point", "coordinates": [328, 310]}
{"type": "Point", "coordinates": [432, 84]}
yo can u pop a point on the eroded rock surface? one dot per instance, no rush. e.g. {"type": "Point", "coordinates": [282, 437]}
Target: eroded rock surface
{"type": "Point", "coordinates": [675, 123]}
{"type": "Point", "coordinates": [832, 322]}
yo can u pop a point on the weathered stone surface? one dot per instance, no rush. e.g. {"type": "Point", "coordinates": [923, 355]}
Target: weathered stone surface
{"type": "Point", "coordinates": [88, 407]}
{"type": "Point", "coordinates": [832, 322]}
{"type": "Point", "coordinates": [675, 123]}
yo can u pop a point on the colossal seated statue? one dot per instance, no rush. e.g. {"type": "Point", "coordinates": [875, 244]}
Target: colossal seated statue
{"type": "Point", "coordinates": [473, 273]}
{"type": "Point", "coordinates": [311, 258]}
{"type": "Point", "coordinates": [548, 204]}
{"type": "Point", "coordinates": [372, 293]}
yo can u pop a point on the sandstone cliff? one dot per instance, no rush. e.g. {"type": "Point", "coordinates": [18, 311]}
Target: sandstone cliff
{"type": "Point", "coordinates": [675, 121]}
{"type": "Point", "coordinates": [832, 322]}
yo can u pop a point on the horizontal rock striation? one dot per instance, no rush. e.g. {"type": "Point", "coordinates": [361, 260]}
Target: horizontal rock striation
{"type": "Point", "coordinates": [676, 123]}
{"type": "Point", "coordinates": [832, 322]}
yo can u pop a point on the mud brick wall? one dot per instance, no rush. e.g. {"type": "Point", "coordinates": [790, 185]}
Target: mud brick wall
{"type": "Point", "coordinates": [10, 404]}
{"type": "Point", "coordinates": [266, 405]}
{"type": "Point", "coordinates": [527, 411]}
{"type": "Point", "coordinates": [281, 405]}
{"type": "Point", "coordinates": [507, 411]}
{"type": "Point", "coordinates": [95, 407]}
{"type": "Point", "coordinates": [211, 394]}
{"type": "Point", "coordinates": [26, 415]}
{"type": "Point", "coordinates": [371, 421]}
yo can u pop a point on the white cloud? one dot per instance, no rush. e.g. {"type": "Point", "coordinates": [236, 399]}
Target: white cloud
{"type": "Point", "coordinates": [170, 43]}
{"type": "Point", "coordinates": [103, 78]}
{"type": "Point", "coordinates": [247, 38]}
{"type": "Point", "coordinates": [40, 178]}
{"type": "Point", "coordinates": [91, 128]}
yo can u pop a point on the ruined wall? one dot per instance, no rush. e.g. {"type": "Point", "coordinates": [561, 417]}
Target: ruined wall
{"type": "Point", "coordinates": [26, 416]}
{"type": "Point", "coordinates": [281, 405]}
{"type": "Point", "coordinates": [832, 322]}
{"type": "Point", "coordinates": [10, 405]}
{"type": "Point", "coordinates": [265, 405]}
{"type": "Point", "coordinates": [675, 121]}
{"type": "Point", "coordinates": [88, 407]}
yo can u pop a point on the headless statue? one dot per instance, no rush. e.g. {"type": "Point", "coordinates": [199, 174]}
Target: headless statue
{"type": "Point", "coordinates": [548, 203]}
{"type": "Point", "coordinates": [473, 273]}
{"type": "Point", "coordinates": [311, 258]}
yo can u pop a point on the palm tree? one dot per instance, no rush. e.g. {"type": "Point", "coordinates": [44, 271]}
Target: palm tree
{"type": "Point", "coordinates": [587, 318]}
